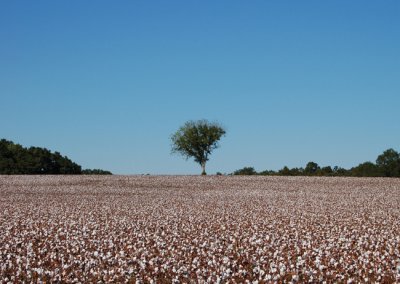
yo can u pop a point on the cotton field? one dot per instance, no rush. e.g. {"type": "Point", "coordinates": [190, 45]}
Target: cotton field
{"type": "Point", "coordinates": [187, 229]}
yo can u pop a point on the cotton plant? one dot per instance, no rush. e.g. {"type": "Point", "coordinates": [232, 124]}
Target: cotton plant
{"type": "Point", "coordinates": [145, 229]}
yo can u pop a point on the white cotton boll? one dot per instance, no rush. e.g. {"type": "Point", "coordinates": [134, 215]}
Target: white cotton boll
{"type": "Point", "coordinates": [225, 260]}
{"type": "Point", "coordinates": [143, 265]}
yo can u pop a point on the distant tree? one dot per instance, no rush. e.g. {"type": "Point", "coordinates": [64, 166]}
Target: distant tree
{"type": "Point", "coordinates": [246, 171]}
{"type": "Point", "coordinates": [197, 140]}
{"type": "Point", "coordinates": [285, 171]}
{"type": "Point", "coordinates": [296, 171]}
{"type": "Point", "coordinates": [389, 163]}
{"type": "Point", "coordinates": [16, 159]}
{"type": "Point", "coordinates": [366, 169]}
{"type": "Point", "coordinates": [338, 171]}
{"type": "Point", "coordinates": [7, 163]}
{"type": "Point", "coordinates": [95, 172]}
{"type": "Point", "coordinates": [325, 171]}
{"type": "Point", "coordinates": [268, 173]}
{"type": "Point", "coordinates": [311, 168]}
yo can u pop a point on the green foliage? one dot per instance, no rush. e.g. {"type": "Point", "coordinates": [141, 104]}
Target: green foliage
{"type": "Point", "coordinates": [338, 171]}
{"type": "Point", "coordinates": [268, 173]}
{"type": "Point", "coordinates": [366, 169]}
{"type": "Point", "coordinates": [326, 171]}
{"type": "Point", "coordinates": [387, 165]}
{"type": "Point", "coordinates": [246, 171]}
{"type": "Point", "coordinates": [15, 159]}
{"type": "Point", "coordinates": [285, 172]}
{"type": "Point", "coordinates": [311, 169]}
{"type": "Point", "coordinates": [197, 140]}
{"type": "Point", "coordinates": [291, 172]}
{"type": "Point", "coordinates": [95, 172]}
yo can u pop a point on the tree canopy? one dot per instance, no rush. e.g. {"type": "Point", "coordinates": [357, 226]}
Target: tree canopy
{"type": "Point", "coordinates": [197, 140]}
{"type": "Point", "coordinates": [387, 165]}
{"type": "Point", "coordinates": [247, 171]}
{"type": "Point", "coordinates": [95, 172]}
{"type": "Point", "coordinates": [16, 159]}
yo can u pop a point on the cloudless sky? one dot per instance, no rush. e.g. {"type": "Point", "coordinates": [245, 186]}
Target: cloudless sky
{"type": "Point", "coordinates": [107, 82]}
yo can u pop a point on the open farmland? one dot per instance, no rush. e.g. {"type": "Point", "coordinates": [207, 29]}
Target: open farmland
{"type": "Point", "coordinates": [181, 229]}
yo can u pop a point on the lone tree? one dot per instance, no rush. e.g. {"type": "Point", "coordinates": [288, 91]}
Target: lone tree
{"type": "Point", "coordinates": [197, 139]}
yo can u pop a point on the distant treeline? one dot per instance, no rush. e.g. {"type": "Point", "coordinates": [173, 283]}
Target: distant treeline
{"type": "Point", "coordinates": [16, 159]}
{"type": "Point", "coordinates": [387, 165]}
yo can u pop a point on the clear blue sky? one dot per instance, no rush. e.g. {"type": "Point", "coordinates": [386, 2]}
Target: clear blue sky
{"type": "Point", "coordinates": [107, 82]}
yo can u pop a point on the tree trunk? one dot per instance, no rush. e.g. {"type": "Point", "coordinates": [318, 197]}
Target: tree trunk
{"type": "Point", "coordinates": [203, 167]}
